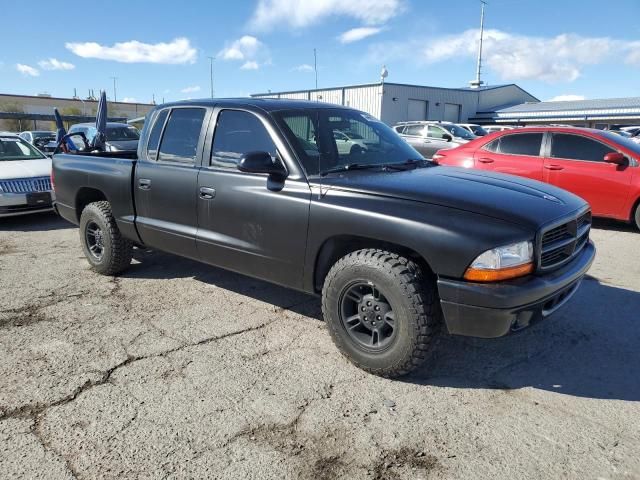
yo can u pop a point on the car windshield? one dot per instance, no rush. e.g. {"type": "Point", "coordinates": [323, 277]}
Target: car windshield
{"type": "Point", "coordinates": [623, 141]}
{"type": "Point", "coordinates": [458, 131]}
{"type": "Point", "coordinates": [123, 133]}
{"type": "Point", "coordinates": [478, 130]}
{"type": "Point", "coordinates": [316, 136]}
{"type": "Point", "coordinates": [15, 148]}
{"type": "Point", "coordinates": [37, 135]}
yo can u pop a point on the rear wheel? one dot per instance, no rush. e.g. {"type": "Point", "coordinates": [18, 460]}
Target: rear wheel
{"type": "Point", "coordinates": [381, 311]}
{"type": "Point", "coordinates": [108, 252]}
{"type": "Point", "coordinates": [637, 216]}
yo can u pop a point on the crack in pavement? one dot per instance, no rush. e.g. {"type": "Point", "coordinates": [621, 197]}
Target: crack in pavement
{"type": "Point", "coordinates": [29, 411]}
{"type": "Point", "coordinates": [46, 445]}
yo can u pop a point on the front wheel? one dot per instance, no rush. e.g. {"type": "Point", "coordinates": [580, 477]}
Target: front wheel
{"type": "Point", "coordinates": [381, 311]}
{"type": "Point", "coordinates": [637, 216]}
{"type": "Point", "coordinates": [108, 252]}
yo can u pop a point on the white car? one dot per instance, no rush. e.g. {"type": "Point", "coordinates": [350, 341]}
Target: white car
{"type": "Point", "coordinates": [25, 177]}
{"type": "Point", "coordinates": [497, 128]}
{"type": "Point", "coordinates": [474, 128]}
{"type": "Point", "coordinates": [348, 142]}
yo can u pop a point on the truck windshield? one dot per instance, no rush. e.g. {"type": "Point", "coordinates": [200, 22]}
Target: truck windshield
{"type": "Point", "coordinates": [327, 139]}
{"type": "Point", "coordinates": [14, 148]}
{"type": "Point", "coordinates": [116, 134]}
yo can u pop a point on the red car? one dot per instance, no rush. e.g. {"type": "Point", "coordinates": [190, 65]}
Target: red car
{"type": "Point", "coordinates": [599, 166]}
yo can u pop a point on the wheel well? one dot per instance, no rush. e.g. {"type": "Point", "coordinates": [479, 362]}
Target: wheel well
{"type": "Point", "coordinates": [632, 215]}
{"type": "Point", "coordinates": [85, 196]}
{"type": "Point", "coordinates": [337, 247]}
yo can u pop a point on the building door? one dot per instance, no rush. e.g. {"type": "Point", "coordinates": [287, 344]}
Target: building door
{"type": "Point", "coordinates": [451, 112]}
{"type": "Point", "coordinates": [417, 109]}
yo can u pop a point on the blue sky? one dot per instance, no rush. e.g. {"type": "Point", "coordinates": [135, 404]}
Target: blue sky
{"type": "Point", "coordinates": [551, 48]}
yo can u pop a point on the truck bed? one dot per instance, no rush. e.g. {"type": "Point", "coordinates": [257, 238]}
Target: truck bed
{"type": "Point", "coordinates": [81, 179]}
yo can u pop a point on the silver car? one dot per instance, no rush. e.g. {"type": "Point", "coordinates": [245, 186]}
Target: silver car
{"type": "Point", "coordinates": [429, 137]}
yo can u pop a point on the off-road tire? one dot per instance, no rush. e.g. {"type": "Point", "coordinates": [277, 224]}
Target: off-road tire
{"type": "Point", "coordinates": [117, 250]}
{"type": "Point", "coordinates": [414, 299]}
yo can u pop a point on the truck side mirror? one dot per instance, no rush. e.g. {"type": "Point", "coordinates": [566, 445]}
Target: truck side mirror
{"type": "Point", "coordinates": [262, 162]}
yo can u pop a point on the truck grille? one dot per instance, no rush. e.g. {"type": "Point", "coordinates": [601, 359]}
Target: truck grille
{"type": "Point", "coordinates": [26, 185]}
{"type": "Point", "coordinates": [561, 243]}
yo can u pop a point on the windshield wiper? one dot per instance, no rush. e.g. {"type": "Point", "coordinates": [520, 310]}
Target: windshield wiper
{"type": "Point", "coordinates": [351, 166]}
{"type": "Point", "coordinates": [411, 163]}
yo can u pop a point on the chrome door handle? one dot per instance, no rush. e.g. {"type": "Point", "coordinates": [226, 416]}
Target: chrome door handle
{"type": "Point", "coordinates": [144, 183]}
{"type": "Point", "coordinates": [207, 193]}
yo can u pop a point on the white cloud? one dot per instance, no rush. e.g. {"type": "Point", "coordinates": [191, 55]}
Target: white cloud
{"type": "Point", "coordinates": [566, 98]}
{"type": "Point", "coordinates": [129, 100]}
{"type": "Point", "coordinates": [356, 34]}
{"type": "Point", "coordinates": [27, 70]}
{"type": "Point", "coordinates": [250, 65]}
{"type": "Point", "coordinates": [247, 49]}
{"type": "Point", "coordinates": [302, 13]}
{"type": "Point", "coordinates": [54, 64]}
{"type": "Point", "coordinates": [177, 51]}
{"type": "Point", "coordinates": [512, 57]}
{"type": "Point", "coordinates": [193, 89]}
{"type": "Point", "coordinates": [305, 67]}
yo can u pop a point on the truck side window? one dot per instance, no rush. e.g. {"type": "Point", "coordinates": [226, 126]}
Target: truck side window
{"type": "Point", "coordinates": [154, 135]}
{"type": "Point", "coordinates": [181, 135]}
{"type": "Point", "coordinates": [238, 133]}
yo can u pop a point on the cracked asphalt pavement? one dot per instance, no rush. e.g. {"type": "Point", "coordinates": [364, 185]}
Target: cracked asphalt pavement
{"type": "Point", "coordinates": [179, 370]}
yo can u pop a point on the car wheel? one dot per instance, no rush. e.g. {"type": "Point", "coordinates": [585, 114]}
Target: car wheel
{"type": "Point", "coordinates": [637, 216]}
{"type": "Point", "coordinates": [108, 252]}
{"type": "Point", "coordinates": [381, 311]}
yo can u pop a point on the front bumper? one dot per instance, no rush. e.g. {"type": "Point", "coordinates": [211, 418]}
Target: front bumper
{"type": "Point", "coordinates": [12, 204]}
{"type": "Point", "coordinates": [492, 310]}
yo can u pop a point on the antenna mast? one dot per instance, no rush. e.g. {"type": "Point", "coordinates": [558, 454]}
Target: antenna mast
{"type": "Point", "coordinates": [477, 83]}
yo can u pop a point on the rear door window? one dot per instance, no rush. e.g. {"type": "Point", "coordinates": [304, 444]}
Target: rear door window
{"type": "Point", "coordinates": [436, 132]}
{"type": "Point", "coordinates": [181, 135]}
{"type": "Point", "coordinates": [415, 130]}
{"type": "Point", "coordinates": [521, 144]}
{"type": "Point", "coordinates": [576, 147]}
{"type": "Point", "coordinates": [154, 135]}
{"type": "Point", "coordinates": [238, 133]}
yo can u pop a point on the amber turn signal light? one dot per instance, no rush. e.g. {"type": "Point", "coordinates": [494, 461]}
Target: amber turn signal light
{"type": "Point", "coordinates": [481, 275]}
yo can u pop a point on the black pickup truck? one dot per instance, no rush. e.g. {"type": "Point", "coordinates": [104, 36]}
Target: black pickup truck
{"type": "Point", "coordinates": [328, 200]}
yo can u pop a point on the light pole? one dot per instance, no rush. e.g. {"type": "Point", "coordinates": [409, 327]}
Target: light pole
{"type": "Point", "coordinates": [115, 96]}
{"type": "Point", "coordinates": [211, 60]}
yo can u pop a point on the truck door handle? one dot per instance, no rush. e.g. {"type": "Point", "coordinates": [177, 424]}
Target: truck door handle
{"type": "Point", "coordinates": [553, 167]}
{"type": "Point", "coordinates": [207, 193]}
{"type": "Point", "coordinates": [485, 160]}
{"type": "Point", "coordinates": [144, 183]}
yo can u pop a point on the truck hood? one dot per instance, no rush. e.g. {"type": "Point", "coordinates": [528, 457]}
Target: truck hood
{"type": "Point", "coordinates": [514, 199]}
{"type": "Point", "coordinates": [25, 168]}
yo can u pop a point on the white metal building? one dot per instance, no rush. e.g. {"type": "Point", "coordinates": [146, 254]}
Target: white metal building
{"type": "Point", "coordinates": [599, 113]}
{"type": "Point", "coordinates": [397, 102]}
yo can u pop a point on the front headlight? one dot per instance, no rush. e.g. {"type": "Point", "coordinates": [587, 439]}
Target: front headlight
{"type": "Point", "coordinates": [502, 263]}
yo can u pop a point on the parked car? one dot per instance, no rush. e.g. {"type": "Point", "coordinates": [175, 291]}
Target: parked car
{"type": "Point", "coordinates": [497, 128]}
{"type": "Point", "coordinates": [41, 139]}
{"type": "Point", "coordinates": [600, 166]}
{"type": "Point", "coordinates": [632, 129]}
{"type": "Point", "coordinates": [392, 242]}
{"type": "Point", "coordinates": [120, 136]}
{"type": "Point", "coordinates": [25, 185]}
{"type": "Point", "coordinates": [428, 137]}
{"type": "Point", "coordinates": [349, 142]}
{"type": "Point", "coordinates": [475, 129]}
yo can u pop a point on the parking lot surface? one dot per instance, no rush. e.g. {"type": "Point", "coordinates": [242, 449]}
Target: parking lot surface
{"type": "Point", "coordinates": [179, 370]}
